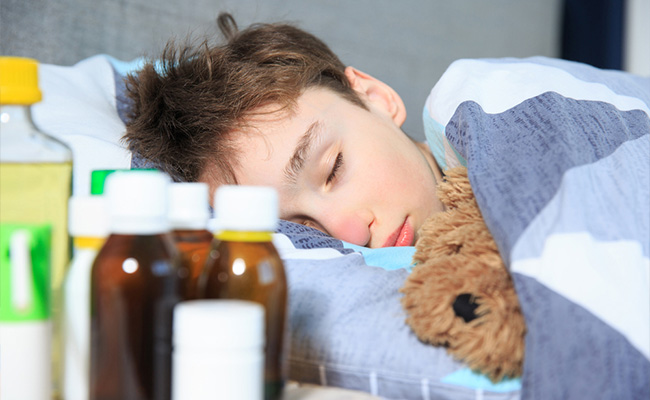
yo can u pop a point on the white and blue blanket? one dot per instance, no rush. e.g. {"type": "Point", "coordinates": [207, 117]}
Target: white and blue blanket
{"type": "Point", "coordinates": [558, 154]}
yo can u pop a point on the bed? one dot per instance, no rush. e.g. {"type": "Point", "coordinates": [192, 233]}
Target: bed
{"type": "Point", "coordinates": [571, 219]}
{"type": "Point", "coordinates": [557, 153]}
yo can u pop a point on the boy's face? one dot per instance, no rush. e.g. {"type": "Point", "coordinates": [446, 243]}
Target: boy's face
{"type": "Point", "coordinates": [346, 171]}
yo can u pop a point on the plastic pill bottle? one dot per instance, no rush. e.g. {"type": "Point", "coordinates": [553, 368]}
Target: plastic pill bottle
{"type": "Point", "coordinates": [218, 350]}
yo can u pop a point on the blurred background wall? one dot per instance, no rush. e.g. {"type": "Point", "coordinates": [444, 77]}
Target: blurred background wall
{"type": "Point", "coordinates": [406, 43]}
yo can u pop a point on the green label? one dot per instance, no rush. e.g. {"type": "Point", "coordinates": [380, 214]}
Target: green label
{"type": "Point", "coordinates": [24, 272]}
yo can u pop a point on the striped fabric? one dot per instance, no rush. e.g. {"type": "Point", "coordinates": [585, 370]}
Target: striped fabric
{"type": "Point", "coordinates": [558, 154]}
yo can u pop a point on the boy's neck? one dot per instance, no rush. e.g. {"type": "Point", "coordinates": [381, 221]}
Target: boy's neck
{"type": "Point", "coordinates": [426, 152]}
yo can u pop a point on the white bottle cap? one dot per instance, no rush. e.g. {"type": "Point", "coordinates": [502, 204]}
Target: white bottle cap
{"type": "Point", "coordinates": [137, 202]}
{"type": "Point", "coordinates": [188, 205]}
{"type": "Point", "coordinates": [88, 216]}
{"type": "Point", "coordinates": [218, 324]}
{"type": "Point", "coordinates": [246, 208]}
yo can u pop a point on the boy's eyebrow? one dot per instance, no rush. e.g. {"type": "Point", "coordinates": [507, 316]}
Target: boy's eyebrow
{"type": "Point", "coordinates": [297, 160]}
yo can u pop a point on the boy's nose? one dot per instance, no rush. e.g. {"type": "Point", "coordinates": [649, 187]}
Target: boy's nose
{"type": "Point", "coordinates": [350, 225]}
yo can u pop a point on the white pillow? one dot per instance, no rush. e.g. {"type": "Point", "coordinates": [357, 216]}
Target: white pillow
{"type": "Point", "coordinates": [79, 108]}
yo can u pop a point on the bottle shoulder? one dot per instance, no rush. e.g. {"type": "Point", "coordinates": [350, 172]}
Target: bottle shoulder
{"type": "Point", "coordinates": [236, 244]}
{"type": "Point", "coordinates": [192, 235]}
{"type": "Point", "coordinates": [135, 258]}
{"type": "Point", "coordinates": [150, 246]}
{"type": "Point", "coordinates": [226, 251]}
{"type": "Point", "coordinates": [21, 141]}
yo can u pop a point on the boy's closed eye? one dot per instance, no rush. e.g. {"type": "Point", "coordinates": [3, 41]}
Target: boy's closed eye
{"type": "Point", "coordinates": [338, 163]}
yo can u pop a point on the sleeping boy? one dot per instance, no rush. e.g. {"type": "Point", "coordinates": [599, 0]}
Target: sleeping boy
{"type": "Point", "coordinates": [275, 106]}
{"type": "Point", "coordinates": [557, 159]}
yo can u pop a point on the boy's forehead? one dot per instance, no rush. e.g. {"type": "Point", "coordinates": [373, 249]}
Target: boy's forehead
{"type": "Point", "coordinates": [265, 148]}
{"type": "Point", "coordinates": [289, 120]}
{"type": "Point", "coordinates": [274, 135]}
{"type": "Point", "coordinates": [309, 101]}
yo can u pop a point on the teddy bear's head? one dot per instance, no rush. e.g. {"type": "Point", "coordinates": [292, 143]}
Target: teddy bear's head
{"type": "Point", "coordinates": [460, 294]}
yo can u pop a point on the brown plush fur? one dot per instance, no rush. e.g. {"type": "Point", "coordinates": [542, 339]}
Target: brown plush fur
{"type": "Point", "coordinates": [456, 255]}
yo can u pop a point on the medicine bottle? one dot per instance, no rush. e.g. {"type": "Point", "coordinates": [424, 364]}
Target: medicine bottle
{"type": "Point", "coordinates": [35, 178]}
{"type": "Point", "coordinates": [136, 281]}
{"type": "Point", "coordinates": [244, 264]}
{"type": "Point", "coordinates": [218, 350]}
{"type": "Point", "coordinates": [188, 215]}
{"type": "Point", "coordinates": [98, 180]}
{"type": "Point", "coordinates": [88, 226]}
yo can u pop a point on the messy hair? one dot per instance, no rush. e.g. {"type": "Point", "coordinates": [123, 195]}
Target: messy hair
{"type": "Point", "coordinates": [186, 104]}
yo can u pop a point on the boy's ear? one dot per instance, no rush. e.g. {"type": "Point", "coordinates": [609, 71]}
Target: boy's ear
{"type": "Point", "coordinates": [378, 93]}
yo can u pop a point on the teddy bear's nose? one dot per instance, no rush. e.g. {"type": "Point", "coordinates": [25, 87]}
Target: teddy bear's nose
{"type": "Point", "coordinates": [464, 307]}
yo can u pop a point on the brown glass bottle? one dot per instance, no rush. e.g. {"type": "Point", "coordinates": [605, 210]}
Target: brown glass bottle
{"type": "Point", "coordinates": [136, 280]}
{"type": "Point", "coordinates": [135, 285]}
{"type": "Point", "coordinates": [188, 217]}
{"type": "Point", "coordinates": [244, 264]}
{"type": "Point", "coordinates": [194, 247]}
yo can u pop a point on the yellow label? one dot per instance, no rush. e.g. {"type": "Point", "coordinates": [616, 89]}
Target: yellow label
{"type": "Point", "coordinates": [236, 236]}
{"type": "Point", "coordinates": [39, 193]}
{"type": "Point", "coordinates": [94, 243]}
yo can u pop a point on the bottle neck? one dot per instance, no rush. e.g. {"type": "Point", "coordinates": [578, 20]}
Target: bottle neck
{"type": "Point", "coordinates": [244, 236]}
{"type": "Point", "coordinates": [15, 115]}
{"type": "Point", "coordinates": [189, 225]}
{"type": "Point", "coordinates": [21, 141]}
{"type": "Point", "coordinates": [139, 226]}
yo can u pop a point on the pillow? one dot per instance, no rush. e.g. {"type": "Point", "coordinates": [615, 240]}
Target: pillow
{"type": "Point", "coordinates": [346, 324]}
{"type": "Point", "coordinates": [79, 108]}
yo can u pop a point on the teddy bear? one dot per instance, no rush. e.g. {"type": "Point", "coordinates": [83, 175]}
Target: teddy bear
{"type": "Point", "coordinates": [460, 294]}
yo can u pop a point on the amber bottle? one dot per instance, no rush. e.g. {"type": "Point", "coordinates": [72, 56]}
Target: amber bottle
{"type": "Point", "coordinates": [136, 280]}
{"type": "Point", "coordinates": [189, 213]}
{"type": "Point", "coordinates": [244, 264]}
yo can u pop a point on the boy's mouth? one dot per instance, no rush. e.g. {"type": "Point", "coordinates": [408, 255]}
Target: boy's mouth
{"type": "Point", "coordinates": [403, 236]}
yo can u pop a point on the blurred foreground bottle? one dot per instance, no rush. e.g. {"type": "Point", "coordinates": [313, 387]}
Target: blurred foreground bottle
{"type": "Point", "coordinates": [137, 279]}
{"type": "Point", "coordinates": [89, 229]}
{"type": "Point", "coordinates": [188, 215]}
{"type": "Point", "coordinates": [98, 180]}
{"type": "Point", "coordinates": [35, 180]}
{"type": "Point", "coordinates": [218, 350]}
{"type": "Point", "coordinates": [246, 265]}
{"type": "Point", "coordinates": [25, 326]}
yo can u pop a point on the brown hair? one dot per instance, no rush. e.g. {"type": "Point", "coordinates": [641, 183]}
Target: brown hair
{"type": "Point", "coordinates": [185, 104]}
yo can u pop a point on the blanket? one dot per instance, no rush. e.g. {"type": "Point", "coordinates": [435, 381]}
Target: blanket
{"type": "Point", "coordinates": [558, 155]}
